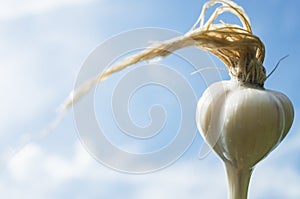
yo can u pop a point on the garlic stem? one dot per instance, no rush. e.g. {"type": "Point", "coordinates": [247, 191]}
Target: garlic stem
{"type": "Point", "coordinates": [238, 181]}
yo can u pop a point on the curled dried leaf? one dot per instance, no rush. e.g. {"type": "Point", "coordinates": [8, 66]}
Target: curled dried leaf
{"type": "Point", "coordinates": [242, 52]}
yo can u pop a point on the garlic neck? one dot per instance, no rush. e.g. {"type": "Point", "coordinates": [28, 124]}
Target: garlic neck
{"type": "Point", "coordinates": [249, 71]}
{"type": "Point", "coordinates": [238, 181]}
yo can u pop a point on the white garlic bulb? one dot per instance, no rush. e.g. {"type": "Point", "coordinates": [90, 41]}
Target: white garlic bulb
{"type": "Point", "coordinates": [243, 123]}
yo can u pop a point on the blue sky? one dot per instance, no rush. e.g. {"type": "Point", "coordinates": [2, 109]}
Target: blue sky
{"type": "Point", "coordinates": [43, 47]}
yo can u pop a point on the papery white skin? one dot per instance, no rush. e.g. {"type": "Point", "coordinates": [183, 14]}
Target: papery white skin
{"type": "Point", "coordinates": [242, 123]}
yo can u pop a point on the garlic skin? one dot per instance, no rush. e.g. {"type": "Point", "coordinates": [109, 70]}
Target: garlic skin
{"type": "Point", "coordinates": [241, 122]}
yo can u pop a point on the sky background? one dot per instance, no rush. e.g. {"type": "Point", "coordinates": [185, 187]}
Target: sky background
{"type": "Point", "coordinates": [43, 46]}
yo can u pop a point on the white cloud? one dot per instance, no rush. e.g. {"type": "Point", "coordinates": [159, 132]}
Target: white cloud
{"type": "Point", "coordinates": [33, 75]}
{"type": "Point", "coordinates": [34, 173]}
{"type": "Point", "coordinates": [41, 174]}
{"type": "Point", "coordinates": [33, 165]}
{"type": "Point", "coordinates": [282, 182]}
{"type": "Point", "coordinates": [16, 8]}
{"type": "Point", "coordinates": [22, 96]}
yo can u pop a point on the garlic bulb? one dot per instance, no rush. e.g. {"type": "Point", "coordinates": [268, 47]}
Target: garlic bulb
{"type": "Point", "coordinates": [240, 119]}
{"type": "Point", "coordinates": [242, 123]}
